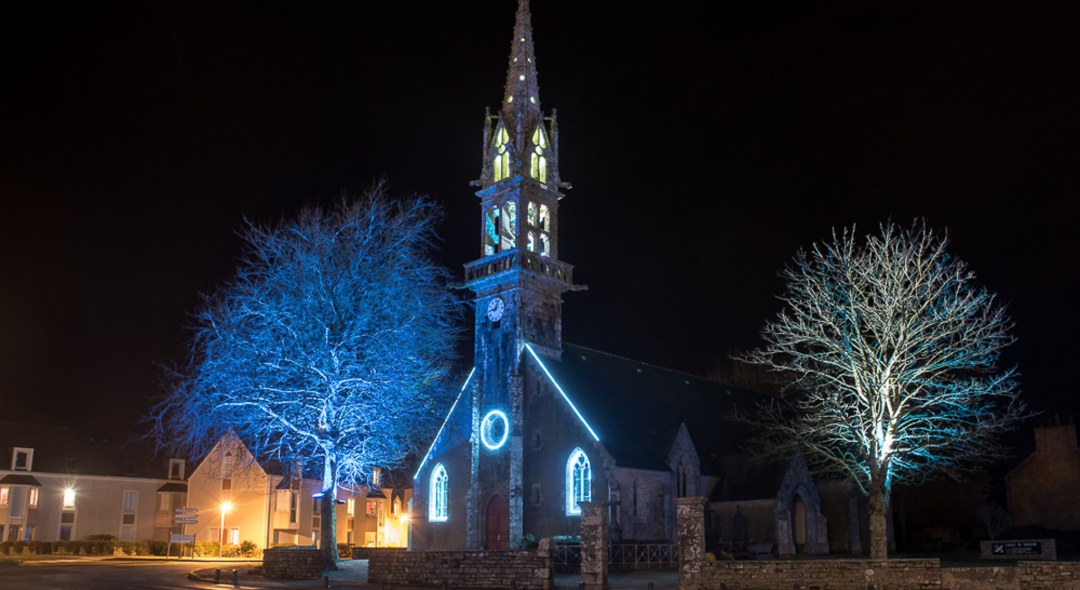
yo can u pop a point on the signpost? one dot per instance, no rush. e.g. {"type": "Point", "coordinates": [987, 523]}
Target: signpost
{"type": "Point", "coordinates": [182, 517]}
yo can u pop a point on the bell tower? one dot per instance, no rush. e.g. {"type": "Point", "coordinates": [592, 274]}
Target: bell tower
{"type": "Point", "coordinates": [517, 283]}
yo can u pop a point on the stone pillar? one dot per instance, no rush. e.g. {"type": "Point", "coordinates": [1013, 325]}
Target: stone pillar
{"type": "Point", "coordinates": [594, 545]}
{"type": "Point", "coordinates": [547, 575]}
{"type": "Point", "coordinates": [690, 538]}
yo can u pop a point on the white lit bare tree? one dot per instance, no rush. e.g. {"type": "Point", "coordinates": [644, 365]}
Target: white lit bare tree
{"type": "Point", "coordinates": [329, 349]}
{"type": "Point", "coordinates": [893, 356]}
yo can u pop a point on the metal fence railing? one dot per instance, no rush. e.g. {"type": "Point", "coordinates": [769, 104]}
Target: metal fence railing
{"type": "Point", "coordinates": [621, 556]}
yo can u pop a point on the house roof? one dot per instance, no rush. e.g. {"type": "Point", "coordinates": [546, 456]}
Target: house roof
{"type": "Point", "coordinates": [81, 451]}
{"type": "Point", "coordinates": [19, 480]}
{"type": "Point", "coordinates": [636, 409]}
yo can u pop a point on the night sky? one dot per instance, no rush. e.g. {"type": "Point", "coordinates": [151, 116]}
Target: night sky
{"type": "Point", "coordinates": [706, 143]}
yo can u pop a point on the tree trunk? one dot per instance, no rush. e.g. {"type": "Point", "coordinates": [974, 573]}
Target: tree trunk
{"type": "Point", "coordinates": [878, 512]}
{"type": "Point", "coordinates": [328, 518]}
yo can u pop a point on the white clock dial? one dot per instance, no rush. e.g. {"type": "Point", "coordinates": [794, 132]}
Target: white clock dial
{"type": "Point", "coordinates": [495, 309]}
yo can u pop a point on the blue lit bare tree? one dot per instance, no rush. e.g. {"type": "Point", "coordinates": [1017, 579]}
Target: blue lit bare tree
{"type": "Point", "coordinates": [331, 347]}
{"type": "Point", "coordinates": [893, 359]}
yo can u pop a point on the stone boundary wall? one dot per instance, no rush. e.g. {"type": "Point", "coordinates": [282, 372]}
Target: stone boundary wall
{"type": "Point", "coordinates": [1043, 575]}
{"type": "Point", "coordinates": [530, 570]}
{"type": "Point", "coordinates": [292, 563]}
{"type": "Point", "coordinates": [854, 574]}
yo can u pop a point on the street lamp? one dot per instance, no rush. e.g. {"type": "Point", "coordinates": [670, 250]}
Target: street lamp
{"type": "Point", "coordinates": [225, 507]}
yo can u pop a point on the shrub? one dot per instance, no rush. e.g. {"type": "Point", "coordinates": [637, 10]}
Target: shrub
{"type": "Point", "coordinates": [527, 541]}
{"type": "Point", "coordinates": [344, 550]}
{"type": "Point", "coordinates": [101, 537]}
{"type": "Point", "coordinates": [206, 548]}
{"type": "Point", "coordinates": [249, 549]}
{"type": "Point", "coordinates": [18, 547]}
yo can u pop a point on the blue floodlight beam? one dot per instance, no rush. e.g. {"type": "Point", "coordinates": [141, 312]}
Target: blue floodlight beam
{"type": "Point", "coordinates": [565, 397]}
{"type": "Point", "coordinates": [448, 414]}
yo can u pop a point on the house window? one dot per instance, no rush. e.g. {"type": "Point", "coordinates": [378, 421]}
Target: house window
{"type": "Point", "coordinates": [233, 536]}
{"type": "Point", "coordinates": [376, 476]}
{"type": "Point", "coordinates": [370, 509]}
{"type": "Point", "coordinates": [69, 499]}
{"type": "Point", "coordinates": [17, 502]}
{"type": "Point", "coordinates": [578, 481]}
{"type": "Point", "coordinates": [4, 491]}
{"type": "Point", "coordinates": [438, 510]}
{"type": "Point", "coordinates": [33, 497]}
{"type": "Point", "coordinates": [22, 459]}
{"type": "Point", "coordinates": [293, 507]}
{"type": "Point", "coordinates": [351, 506]}
{"type": "Point", "coordinates": [164, 502]}
{"type": "Point", "coordinates": [537, 495]}
{"type": "Point", "coordinates": [226, 484]}
{"type": "Point", "coordinates": [127, 517]}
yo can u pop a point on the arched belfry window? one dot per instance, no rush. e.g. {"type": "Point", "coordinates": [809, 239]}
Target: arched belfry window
{"type": "Point", "coordinates": [539, 167]}
{"type": "Point", "coordinates": [578, 481]}
{"type": "Point", "coordinates": [437, 498]}
{"type": "Point", "coordinates": [500, 165]}
{"type": "Point", "coordinates": [539, 231]}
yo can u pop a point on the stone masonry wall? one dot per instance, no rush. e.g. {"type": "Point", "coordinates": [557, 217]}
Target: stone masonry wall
{"type": "Point", "coordinates": [894, 574]}
{"type": "Point", "coordinates": [1044, 575]}
{"type": "Point", "coordinates": [292, 563]}
{"type": "Point", "coordinates": [530, 570]}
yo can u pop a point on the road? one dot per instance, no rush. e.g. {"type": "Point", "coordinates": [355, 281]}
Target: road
{"type": "Point", "coordinates": [96, 573]}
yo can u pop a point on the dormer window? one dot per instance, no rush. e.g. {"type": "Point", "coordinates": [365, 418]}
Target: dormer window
{"type": "Point", "coordinates": [538, 170]}
{"type": "Point", "coordinates": [176, 469]}
{"type": "Point", "coordinates": [500, 166]}
{"type": "Point", "coordinates": [22, 459]}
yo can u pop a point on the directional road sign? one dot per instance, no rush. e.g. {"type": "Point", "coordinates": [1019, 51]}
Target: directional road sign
{"type": "Point", "coordinates": [185, 521]}
{"type": "Point", "coordinates": [187, 510]}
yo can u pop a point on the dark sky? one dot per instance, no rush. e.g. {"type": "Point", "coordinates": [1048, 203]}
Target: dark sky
{"type": "Point", "coordinates": [706, 143]}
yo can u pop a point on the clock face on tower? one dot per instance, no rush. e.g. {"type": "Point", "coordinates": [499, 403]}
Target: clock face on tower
{"type": "Point", "coordinates": [495, 309]}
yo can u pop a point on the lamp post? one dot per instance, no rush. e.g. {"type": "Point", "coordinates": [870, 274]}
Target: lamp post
{"type": "Point", "coordinates": [225, 507]}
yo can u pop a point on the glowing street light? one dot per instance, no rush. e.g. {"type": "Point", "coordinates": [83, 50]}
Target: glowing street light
{"type": "Point", "coordinates": [225, 507]}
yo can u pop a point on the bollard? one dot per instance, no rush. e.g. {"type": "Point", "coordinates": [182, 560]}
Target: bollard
{"type": "Point", "coordinates": [445, 584]}
{"type": "Point", "coordinates": [326, 582]}
{"type": "Point", "coordinates": [513, 584]}
{"type": "Point", "coordinates": [217, 576]}
{"type": "Point", "coordinates": [235, 579]}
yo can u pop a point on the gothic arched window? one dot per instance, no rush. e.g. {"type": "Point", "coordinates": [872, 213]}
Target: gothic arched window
{"type": "Point", "coordinates": [438, 493]}
{"type": "Point", "coordinates": [500, 166]}
{"type": "Point", "coordinates": [578, 481]}
{"type": "Point", "coordinates": [538, 170]}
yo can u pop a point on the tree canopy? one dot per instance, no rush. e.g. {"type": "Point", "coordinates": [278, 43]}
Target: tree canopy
{"type": "Point", "coordinates": [331, 348]}
{"type": "Point", "coordinates": [893, 355]}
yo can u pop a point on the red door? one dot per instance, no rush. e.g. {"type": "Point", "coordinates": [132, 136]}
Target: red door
{"type": "Point", "coordinates": [497, 529]}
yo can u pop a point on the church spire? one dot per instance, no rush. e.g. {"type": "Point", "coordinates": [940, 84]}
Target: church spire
{"type": "Point", "coordinates": [521, 100]}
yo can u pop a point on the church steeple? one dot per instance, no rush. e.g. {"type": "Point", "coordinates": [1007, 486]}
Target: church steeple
{"type": "Point", "coordinates": [521, 99]}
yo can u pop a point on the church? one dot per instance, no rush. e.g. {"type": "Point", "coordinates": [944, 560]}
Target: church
{"type": "Point", "coordinates": [541, 425]}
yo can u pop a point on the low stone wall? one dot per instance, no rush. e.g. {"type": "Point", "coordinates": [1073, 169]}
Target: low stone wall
{"type": "Point", "coordinates": [981, 578]}
{"type": "Point", "coordinates": [530, 570]}
{"type": "Point", "coordinates": [292, 563]}
{"type": "Point", "coordinates": [853, 574]}
{"type": "Point", "coordinates": [1041, 575]}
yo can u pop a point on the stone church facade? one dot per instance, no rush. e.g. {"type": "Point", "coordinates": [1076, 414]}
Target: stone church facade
{"type": "Point", "coordinates": [540, 425]}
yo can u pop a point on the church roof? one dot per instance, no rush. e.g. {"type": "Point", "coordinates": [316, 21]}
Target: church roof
{"type": "Point", "coordinates": [636, 410]}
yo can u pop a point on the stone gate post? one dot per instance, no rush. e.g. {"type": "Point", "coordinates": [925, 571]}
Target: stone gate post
{"type": "Point", "coordinates": [690, 538]}
{"type": "Point", "coordinates": [594, 545]}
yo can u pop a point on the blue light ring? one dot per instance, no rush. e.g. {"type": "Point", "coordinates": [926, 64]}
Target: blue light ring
{"type": "Point", "coordinates": [485, 427]}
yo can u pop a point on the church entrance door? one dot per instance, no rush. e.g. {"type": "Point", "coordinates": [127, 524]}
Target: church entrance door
{"type": "Point", "coordinates": [497, 524]}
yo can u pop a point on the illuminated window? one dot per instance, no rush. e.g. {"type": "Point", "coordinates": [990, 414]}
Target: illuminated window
{"type": "Point", "coordinates": [370, 508]}
{"type": "Point", "coordinates": [232, 536]}
{"type": "Point", "coordinates": [437, 511]}
{"type": "Point", "coordinates": [351, 506]}
{"type": "Point", "coordinates": [491, 231]}
{"type": "Point", "coordinates": [33, 497]}
{"type": "Point", "coordinates": [4, 491]}
{"type": "Point", "coordinates": [69, 499]}
{"type": "Point", "coordinates": [532, 241]}
{"type": "Point", "coordinates": [508, 232]}
{"type": "Point", "coordinates": [538, 170]}
{"type": "Point", "coordinates": [376, 476]}
{"type": "Point", "coordinates": [500, 166]}
{"type": "Point", "coordinates": [578, 481]}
